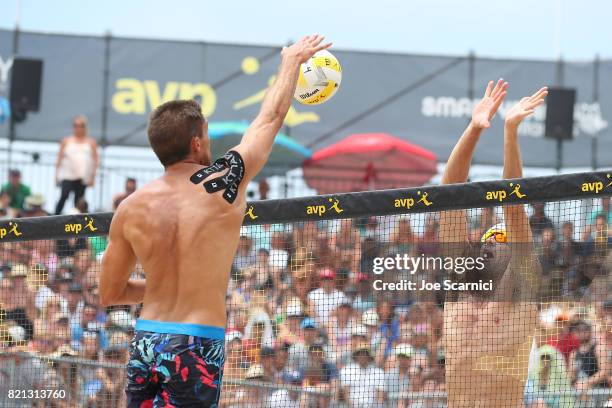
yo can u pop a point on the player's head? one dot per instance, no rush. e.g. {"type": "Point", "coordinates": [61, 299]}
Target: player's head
{"type": "Point", "coordinates": [495, 250]}
{"type": "Point", "coordinates": [178, 131]}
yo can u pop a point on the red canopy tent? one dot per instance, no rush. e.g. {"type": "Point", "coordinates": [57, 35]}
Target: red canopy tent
{"type": "Point", "coordinates": [369, 161]}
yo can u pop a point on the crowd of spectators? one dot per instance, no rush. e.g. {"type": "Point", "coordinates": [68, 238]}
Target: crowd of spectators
{"type": "Point", "coordinates": [304, 326]}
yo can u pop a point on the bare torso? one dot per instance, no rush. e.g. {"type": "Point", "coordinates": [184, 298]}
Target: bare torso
{"type": "Point", "coordinates": [185, 239]}
{"type": "Point", "coordinates": [487, 352]}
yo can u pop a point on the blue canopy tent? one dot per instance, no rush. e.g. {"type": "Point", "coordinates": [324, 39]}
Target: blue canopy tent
{"type": "Point", "coordinates": [286, 153]}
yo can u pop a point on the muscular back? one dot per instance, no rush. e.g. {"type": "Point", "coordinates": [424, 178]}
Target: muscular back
{"type": "Point", "coordinates": [185, 239]}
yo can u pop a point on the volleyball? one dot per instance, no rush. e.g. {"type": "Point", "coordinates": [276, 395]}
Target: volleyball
{"type": "Point", "coordinates": [319, 79]}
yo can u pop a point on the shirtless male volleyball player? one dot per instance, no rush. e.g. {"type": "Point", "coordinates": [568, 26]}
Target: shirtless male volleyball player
{"type": "Point", "coordinates": [184, 230]}
{"type": "Point", "coordinates": [488, 335]}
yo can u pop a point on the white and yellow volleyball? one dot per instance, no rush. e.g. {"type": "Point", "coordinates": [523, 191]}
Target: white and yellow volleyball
{"type": "Point", "coordinates": [319, 79]}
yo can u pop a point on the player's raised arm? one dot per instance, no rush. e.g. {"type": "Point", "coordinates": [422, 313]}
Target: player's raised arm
{"type": "Point", "coordinates": [257, 142]}
{"type": "Point", "coordinates": [453, 224]}
{"type": "Point", "coordinates": [517, 222]}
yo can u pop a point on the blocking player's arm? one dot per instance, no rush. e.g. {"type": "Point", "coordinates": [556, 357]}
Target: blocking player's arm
{"type": "Point", "coordinates": [517, 223]}
{"type": "Point", "coordinates": [256, 144]}
{"type": "Point", "coordinates": [116, 287]}
{"type": "Point", "coordinates": [453, 224]}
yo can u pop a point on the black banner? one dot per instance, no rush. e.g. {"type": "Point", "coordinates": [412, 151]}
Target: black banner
{"type": "Point", "coordinates": [351, 205]}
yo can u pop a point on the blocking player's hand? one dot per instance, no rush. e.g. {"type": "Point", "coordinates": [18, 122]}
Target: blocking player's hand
{"type": "Point", "coordinates": [487, 107]}
{"type": "Point", "coordinates": [525, 107]}
{"type": "Point", "coordinates": [305, 48]}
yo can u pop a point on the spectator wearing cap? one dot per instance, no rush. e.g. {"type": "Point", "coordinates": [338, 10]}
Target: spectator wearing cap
{"type": "Point", "coordinates": [62, 283]}
{"type": "Point", "coordinates": [298, 352]}
{"type": "Point", "coordinates": [33, 207]}
{"type": "Point", "coordinates": [364, 298]}
{"type": "Point", "coordinates": [339, 328]}
{"type": "Point", "coordinates": [361, 382]}
{"type": "Point", "coordinates": [281, 360]}
{"type": "Point", "coordinates": [359, 335]}
{"type": "Point", "coordinates": [320, 375]}
{"type": "Point", "coordinates": [284, 398]}
{"type": "Point", "coordinates": [289, 329]}
{"type": "Point", "coordinates": [397, 379]}
{"type": "Point", "coordinates": [324, 300]}
{"type": "Point", "coordinates": [16, 190]}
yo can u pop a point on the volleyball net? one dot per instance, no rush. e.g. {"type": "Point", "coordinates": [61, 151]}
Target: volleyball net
{"type": "Point", "coordinates": [489, 294]}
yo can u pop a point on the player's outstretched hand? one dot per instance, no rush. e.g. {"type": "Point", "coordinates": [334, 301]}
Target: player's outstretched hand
{"type": "Point", "coordinates": [485, 109]}
{"type": "Point", "coordinates": [525, 107]}
{"type": "Point", "coordinates": [305, 48]}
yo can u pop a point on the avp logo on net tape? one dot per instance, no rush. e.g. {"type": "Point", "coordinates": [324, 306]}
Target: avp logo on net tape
{"type": "Point", "coordinates": [76, 228]}
{"type": "Point", "coordinates": [596, 186]}
{"type": "Point", "coordinates": [409, 201]}
{"type": "Point", "coordinates": [12, 228]}
{"type": "Point", "coordinates": [322, 209]}
{"type": "Point", "coordinates": [251, 213]}
{"type": "Point", "coordinates": [501, 195]}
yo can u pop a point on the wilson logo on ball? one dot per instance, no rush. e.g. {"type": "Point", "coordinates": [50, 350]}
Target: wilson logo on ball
{"type": "Point", "coordinates": [319, 79]}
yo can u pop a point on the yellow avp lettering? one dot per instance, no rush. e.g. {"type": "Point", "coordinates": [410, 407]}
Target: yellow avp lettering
{"type": "Point", "coordinates": [206, 95]}
{"type": "Point", "coordinates": [130, 97]}
{"type": "Point", "coordinates": [76, 228]}
{"type": "Point", "coordinates": [133, 96]}
{"type": "Point", "coordinates": [3, 232]}
{"type": "Point", "coordinates": [596, 187]}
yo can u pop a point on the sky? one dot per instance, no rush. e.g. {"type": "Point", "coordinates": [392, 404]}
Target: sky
{"type": "Point", "coordinates": [534, 29]}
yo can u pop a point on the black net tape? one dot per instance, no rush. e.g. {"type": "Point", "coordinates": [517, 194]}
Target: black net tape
{"type": "Point", "coordinates": [397, 298]}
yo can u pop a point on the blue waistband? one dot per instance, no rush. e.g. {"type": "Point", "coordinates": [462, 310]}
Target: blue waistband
{"type": "Point", "coordinates": [189, 329]}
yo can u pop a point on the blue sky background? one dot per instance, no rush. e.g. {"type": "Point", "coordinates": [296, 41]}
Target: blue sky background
{"type": "Point", "coordinates": [517, 28]}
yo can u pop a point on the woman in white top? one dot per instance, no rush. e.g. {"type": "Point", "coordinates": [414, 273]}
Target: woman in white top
{"type": "Point", "coordinates": [77, 163]}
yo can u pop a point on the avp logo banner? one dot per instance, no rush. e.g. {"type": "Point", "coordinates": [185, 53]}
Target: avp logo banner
{"type": "Point", "coordinates": [597, 186]}
{"type": "Point", "coordinates": [501, 195]}
{"type": "Point", "coordinates": [87, 224]}
{"type": "Point", "coordinates": [251, 213]}
{"type": "Point", "coordinates": [322, 209]}
{"type": "Point", "coordinates": [409, 201]}
{"type": "Point", "coordinates": [11, 229]}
